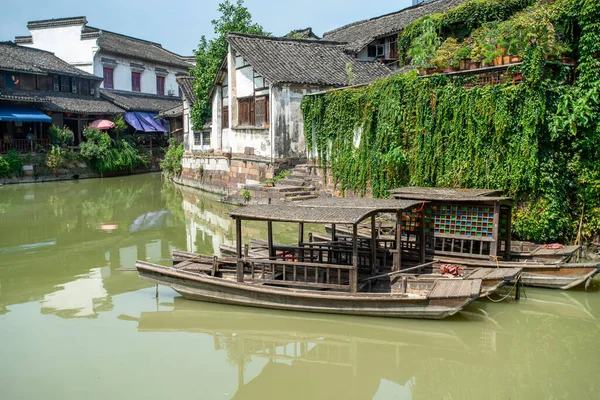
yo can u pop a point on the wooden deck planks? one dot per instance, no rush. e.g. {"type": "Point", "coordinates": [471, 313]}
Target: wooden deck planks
{"type": "Point", "coordinates": [479, 273]}
{"type": "Point", "coordinates": [456, 288]}
{"type": "Point", "coordinates": [555, 252]}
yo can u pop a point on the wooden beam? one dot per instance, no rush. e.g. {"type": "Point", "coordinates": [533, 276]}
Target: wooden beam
{"type": "Point", "coordinates": [507, 243]}
{"type": "Point", "coordinates": [422, 237]}
{"type": "Point", "coordinates": [495, 230]}
{"type": "Point", "coordinates": [399, 272]}
{"type": "Point", "coordinates": [373, 246]}
{"type": "Point", "coordinates": [270, 239]}
{"type": "Point", "coordinates": [238, 247]}
{"type": "Point", "coordinates": [354, 271]}
{"type": "Point", "coordinates": [397, 255]}
{"type": "Point", "coordinates": [300, 233]}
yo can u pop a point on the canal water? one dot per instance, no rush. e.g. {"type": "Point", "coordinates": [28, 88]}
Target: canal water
{"type": "Point", "coordinates": [73, 326]}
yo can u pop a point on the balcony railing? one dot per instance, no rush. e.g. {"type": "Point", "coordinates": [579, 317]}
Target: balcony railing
{"type": "Point", "coordinates": [24, 145]}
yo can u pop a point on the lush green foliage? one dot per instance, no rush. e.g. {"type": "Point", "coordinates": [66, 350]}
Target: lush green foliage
{"type": "Point", "coordinates": [107, 155]}
{"type": "Point", "coordinates": [171, 164]}
{"type": "Point", "coordinates": [14, 162]}
{"type": "Point", "coordinates": [56, 159]}
{"type": "Point", "coordinates": [210, 53]}
{"type": "Point", "coordinates": [460, 21]}
{"type": "Point", "coordinates": [60, 136]}
{"type": "Point", "coordinates": [120, 125]}
{"type": "Point", "coordinates": [537, 140]}
{"type": "Point", "coordinates": [4, 167]}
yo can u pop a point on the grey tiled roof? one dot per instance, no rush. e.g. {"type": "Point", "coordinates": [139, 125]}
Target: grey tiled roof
{"type": "Point", "coordinates": [115, 43]}
{"type": "Point", "coordinates": [306, 33]}
{"type": "Point", "coordinates": [186, 83]}
{"type": "Point", "coordinates": [56, 22]}
{"type": "Point", "coordinates": [313, 62]}
{"type": "Point", "coordinates": [61, 102]}
{"type": "Point", "coordinates": [132, 101]}
{"type": "Point", "coordinates": [25, 59]}
{"type": "Point", "coordinates": [174, 112]}
{"type": "Point", "coordinates": [359, 34]}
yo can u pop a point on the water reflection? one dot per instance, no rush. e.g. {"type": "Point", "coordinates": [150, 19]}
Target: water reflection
{"type": "Point", "coordinates": [296, 355]}
{"type": "Point", "coordinates": [62, 246]}
{"type": "Point", "coordinates": [61, 243]}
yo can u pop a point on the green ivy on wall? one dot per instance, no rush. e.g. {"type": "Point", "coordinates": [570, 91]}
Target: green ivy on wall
{"type": "Point", "coordinates": [538, 140]}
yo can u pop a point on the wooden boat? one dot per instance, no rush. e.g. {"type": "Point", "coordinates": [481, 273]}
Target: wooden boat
{"type": "Point", "coordinates": [492, 278]}
{"type": "Point", "coordinates": [470, 227]}
{"type": "Point", "coordinates": [315, 277]}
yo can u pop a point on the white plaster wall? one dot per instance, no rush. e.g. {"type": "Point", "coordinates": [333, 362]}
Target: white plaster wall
{"type": "Point", "coordinates": [122, 74]}
{"type": "Point", "coordinates": [239, 139]}
{"type": "Point", "coordinates": [215, 133]}
{"type": "Point", "coordinates": [244, 82]}
{"type": "Point", "coordinates": [188, 138]}
{"type": "Point", "coordinates": [287, 124]}
{"type": "Point", "coordinates": [65, 42]}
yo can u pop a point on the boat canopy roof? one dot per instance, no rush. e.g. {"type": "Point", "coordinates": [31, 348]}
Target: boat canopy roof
{"type": "Point", "coordinates": [449, 194]}
{"type": "Point", "coordinates": [326, 211]}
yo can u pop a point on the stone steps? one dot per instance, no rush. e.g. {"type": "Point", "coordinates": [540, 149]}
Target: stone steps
{"type": "Point", "coordinates": [286, 189]}
{"type": "Point", "coordinates": [292, 182]}
{"type": "Point", "coordinates": [298, 198]}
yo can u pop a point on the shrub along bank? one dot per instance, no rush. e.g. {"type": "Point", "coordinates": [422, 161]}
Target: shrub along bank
{"type": "Point", "coordinates": [538, 140]}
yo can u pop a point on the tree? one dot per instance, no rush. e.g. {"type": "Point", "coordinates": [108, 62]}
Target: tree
{"type": "Point", "coordinates": [210, 53]}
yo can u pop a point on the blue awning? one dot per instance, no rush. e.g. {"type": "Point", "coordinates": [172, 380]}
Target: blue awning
{"type": "Point", "coordinates": [143, 121]}
{"type": "Point", "coordinates": [16, 113]}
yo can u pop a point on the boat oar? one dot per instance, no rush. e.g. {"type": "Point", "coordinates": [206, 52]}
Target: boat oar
{"type": "Point", "coordinates": [398, 272]}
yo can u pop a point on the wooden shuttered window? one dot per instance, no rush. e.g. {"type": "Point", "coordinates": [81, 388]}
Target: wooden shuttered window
{"type": "Point", "coordinates": [261, 111]}
{"type": "Point", "coordinates": [253, 111]}
{"type": "Point", "coordinates": [225, 117]}
{"type": "Point", "coordinates": [45, 82]}
{"type": "Point", "coordinates": [65, 84]}
{"type": "Point", "coordinates": [27, 82]}
{"type": "Point", "coordinates": [136, 79]}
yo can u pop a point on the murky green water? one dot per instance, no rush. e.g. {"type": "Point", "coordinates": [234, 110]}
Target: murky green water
{"type": "Point", "coordinates": [74, 327]}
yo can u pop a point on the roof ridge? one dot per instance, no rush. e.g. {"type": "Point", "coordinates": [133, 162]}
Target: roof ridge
{"type": "Point", "coordinates": [379, 17]}
{"type": "Point", "coordinates": [285, 39]}
{"type": "Point", "coordinates": [130, 37]}
{"type": "Point", "coordinates": [26, 48]}
{"type": "Point", "coordinates": [138, 94]}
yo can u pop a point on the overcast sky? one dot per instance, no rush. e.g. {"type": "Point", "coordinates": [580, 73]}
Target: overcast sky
{"type": "Point", "coordinates": [178, 25]}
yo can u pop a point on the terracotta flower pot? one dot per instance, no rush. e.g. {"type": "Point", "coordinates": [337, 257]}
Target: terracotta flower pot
{"type": "Point", "coordinates": [474, 65]}
{"type": "Point", "coordinates": [515, 59]}
{"type": "Point", "coordinates": [505, 60]}
{"type": "Point", "coordinates": [464, 64]}
{"type": "Point", "coordinates": [498, 61]}
{"type": "Point", "coordinates": [450, 69]}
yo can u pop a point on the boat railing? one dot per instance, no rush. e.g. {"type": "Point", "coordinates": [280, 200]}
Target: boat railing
{"type": "Point", "coordinates": [313, 275]}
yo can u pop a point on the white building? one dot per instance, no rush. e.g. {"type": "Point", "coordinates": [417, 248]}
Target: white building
{"type": "Point", "coordinates": [377, 38]}
{"type": "Point", "coordinates": [257, 93]}
{"type": "Point", "coordinates": [126, 64]}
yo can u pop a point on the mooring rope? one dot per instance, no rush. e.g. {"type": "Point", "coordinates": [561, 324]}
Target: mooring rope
{"type": "Point", "coordinates": [508, 294]}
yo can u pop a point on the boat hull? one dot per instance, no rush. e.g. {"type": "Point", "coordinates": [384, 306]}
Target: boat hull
{"type": "Point", "coordinates": [217, 290]}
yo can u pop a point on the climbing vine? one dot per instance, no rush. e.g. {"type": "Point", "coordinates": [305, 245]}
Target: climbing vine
{"type": "Point", "coordinates": [537, 140]}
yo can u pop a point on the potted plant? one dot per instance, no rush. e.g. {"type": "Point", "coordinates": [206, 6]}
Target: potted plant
{"type": "Point", "coordinates": [476, 57]}
{"type": "Point", "coordinates": [445, 56]}
{"type": "Point", "coordinates": [424, 47]}
{"type": "Point", "coordinates": [463, 55]}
